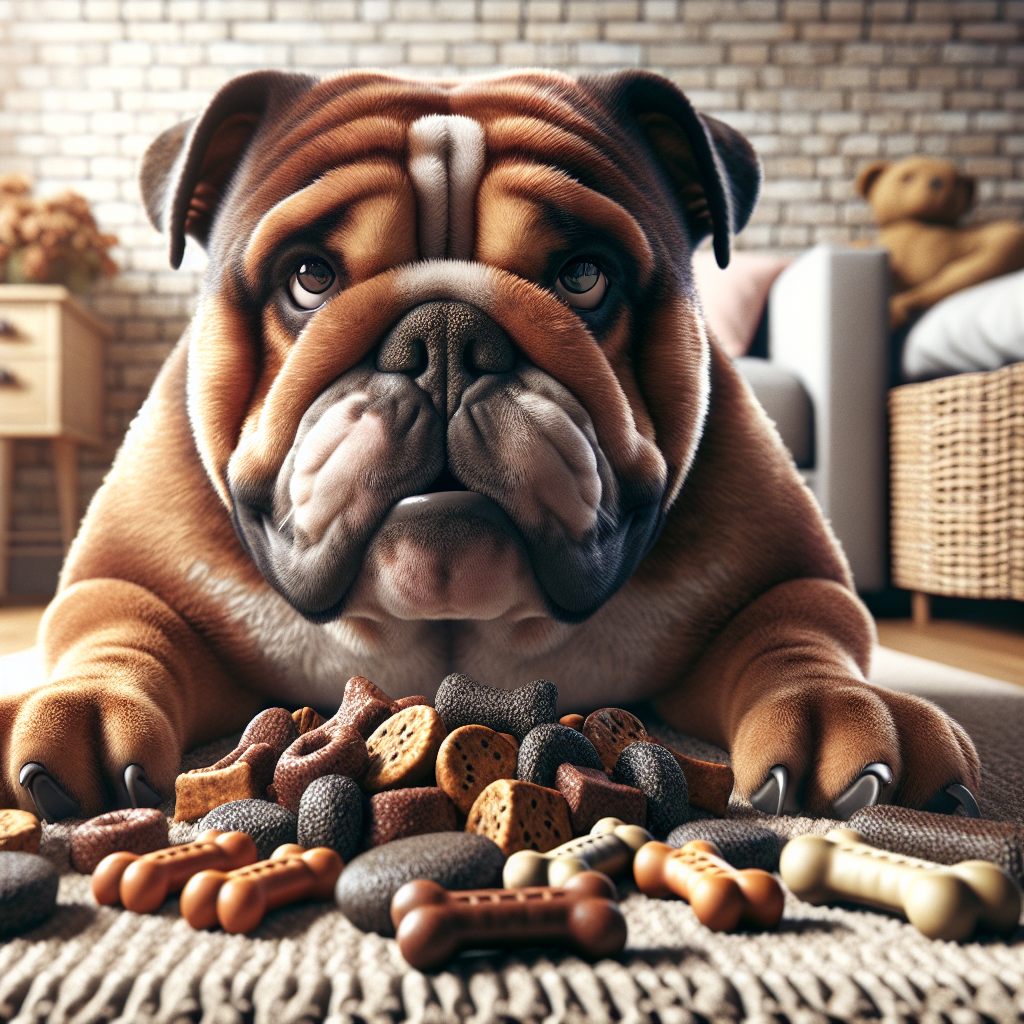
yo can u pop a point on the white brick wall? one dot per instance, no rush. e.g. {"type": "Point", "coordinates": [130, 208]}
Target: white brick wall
{"type": "Point", "coordinates": [819, 87]}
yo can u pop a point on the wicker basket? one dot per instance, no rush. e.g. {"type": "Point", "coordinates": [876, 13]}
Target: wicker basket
{"type": "Point", "coordinates": [957, 448]}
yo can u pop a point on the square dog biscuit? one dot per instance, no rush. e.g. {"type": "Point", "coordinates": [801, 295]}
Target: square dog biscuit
{"type": "Point", "coordinates": [470, 759]}
{"type": "Point", "coordinates": [520, 816]}
{"type": "Point", "coordinates": [402, 750]}
{"type": "Point", "coordinates": [20, 831]}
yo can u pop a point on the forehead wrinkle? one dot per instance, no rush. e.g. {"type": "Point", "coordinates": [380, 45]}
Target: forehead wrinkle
{"type": "Point", "coordinates": [558, 189]}
{"type": "Point", "coordinates": [338, 188]}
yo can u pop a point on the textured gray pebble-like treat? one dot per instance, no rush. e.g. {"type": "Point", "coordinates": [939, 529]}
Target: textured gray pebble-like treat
{"type": "Point", "coordinates": [743, 844]}
{"type": "Point", "coordinates": [656, 773]}
{"type": "Point", "coordinates": [547, 746]}
{"type": "Point", "coordinates": [331, 814]}
{"type": "Point", "coordinates": [28, 891]}
{"type": "Point", "coordinates": [269, 825]}
{"type": "Point", "coordinates": [461, 701]}
{"type": "Point", "coordinates": [455, 860]}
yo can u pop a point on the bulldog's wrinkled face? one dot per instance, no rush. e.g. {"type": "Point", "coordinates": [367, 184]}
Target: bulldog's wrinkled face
{"type": "Point", "coordinates": [447, 362]}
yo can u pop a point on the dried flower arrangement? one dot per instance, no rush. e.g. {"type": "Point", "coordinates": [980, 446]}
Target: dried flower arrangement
{"type": "Point", "coordinates": [50, 241]}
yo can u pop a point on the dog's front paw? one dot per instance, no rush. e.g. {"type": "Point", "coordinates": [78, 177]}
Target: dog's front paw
{"type": "Point", "coordinates": [77, 748]}
{"type": "Point", "coordinates": [829, 748]}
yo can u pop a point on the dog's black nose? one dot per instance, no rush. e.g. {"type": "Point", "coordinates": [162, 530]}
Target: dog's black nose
{"type": "Point", "coordinates": [445, 346]}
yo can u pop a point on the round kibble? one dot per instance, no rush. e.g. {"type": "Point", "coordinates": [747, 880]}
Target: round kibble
{"type": "Point", "coordinates": [611, 730]}
{"type": "Point", "coordinates": [743, 844]}
{"type": "Point", "coordinates": [455, 860]}
{"type": "Point", "coordinates": [402, 751]}
{"type": "Point", "coordinates": [331, 815]}
{"type": "Point", "coordinates": [470, 759]}
{"type": "Point", "coordinates": [28, 891]}
{"type": "Point", "coordinates": [656, 773]}
{"type": "Point", "coordinates": [268, 825]}
{"type": "Point", "coordinates": [137, 830]}
{"type": "Point", "coordinates": [547, 746]}
{"type": "Point", "coordinates": [324, 751]}
{"type": "Point", "coordinates": [461, 701]}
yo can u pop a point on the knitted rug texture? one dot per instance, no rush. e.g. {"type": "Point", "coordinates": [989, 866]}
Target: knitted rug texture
{"type": "Point", "coordinates": [101, 964]}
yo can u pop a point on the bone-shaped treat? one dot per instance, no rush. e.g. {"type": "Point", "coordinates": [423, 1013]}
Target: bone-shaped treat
{"type": "Point", "coordinates": [433, 924]}
{"type": "Point", "coordinates": [239, 899]}
{"type": "Point", "coordinates": [941, 901]}
{"type": "Point", "coordinates": [609, 848]}
{"type": "Point", "coordinates": [721, 896]}
{"type": "Point", "coordinates": [142, 883]}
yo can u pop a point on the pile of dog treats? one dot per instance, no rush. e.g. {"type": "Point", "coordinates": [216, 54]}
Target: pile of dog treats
{"type": "Point", "coordinates": [485, 821]}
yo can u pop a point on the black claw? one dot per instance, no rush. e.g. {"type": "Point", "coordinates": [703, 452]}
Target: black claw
{"type": "Point", "coordinates": [775, 797]}
{"type": "Point", "coordinates": [864, 792]}
{"type": "Point", "coordinates": [951, 799]}
{"type": "Point", "coordinates": [140, 792]}
{"type": "Point", "coordinates": [52, 803]}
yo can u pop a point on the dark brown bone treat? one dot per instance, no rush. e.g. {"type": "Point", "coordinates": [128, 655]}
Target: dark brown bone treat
{"type": "Point", "coordinates": [306, 720]}
{"type": "Point", "coordinates": [520, 816]}
{"type": "Point", "coordinates": [20, 831]}
{"type": "Point", "coordinates": [432, 924]}
{"type": "Point", "coordinates": [201, 790]}
{"type": "Point", "coordinates": [136, 830]}
{"type": "Point", "coordinates": [461, 701]}
{"type": "Point", "coordinates": [399, 813]}
{"type": "Point", "coordinates": [591, 796]}
{"type": "Point", "coordinates": [470, 759]}
{"type": "Point", "coordinates": [572, 721]}
{"type": "Point", "coordinates": [942, 838]}
{"type": "Point", "coordinates": [364, 707]}
{"type": "Point", "coordinates": [611, 730]}
{"type": "Point", "coordinates": [402, 751]}
{"type": "Point", "coordinates": [324, 751]}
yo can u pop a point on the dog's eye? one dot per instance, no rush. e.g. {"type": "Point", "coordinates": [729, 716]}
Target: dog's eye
{"type": "Point", "coordinates": [581, 284]}
{"type": "Point", "coordinates": [313, 284]}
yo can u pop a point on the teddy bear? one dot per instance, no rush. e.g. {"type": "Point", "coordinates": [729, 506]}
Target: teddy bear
{"type": "Point", "coordinates": [916, 202]}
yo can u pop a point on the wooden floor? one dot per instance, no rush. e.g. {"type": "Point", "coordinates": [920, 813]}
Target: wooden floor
{"type": "Point", "coordinates": [990, 650]}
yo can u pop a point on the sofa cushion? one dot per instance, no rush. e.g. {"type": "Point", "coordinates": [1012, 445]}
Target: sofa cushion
{"type": "Point", "coordinates": [785, 400]}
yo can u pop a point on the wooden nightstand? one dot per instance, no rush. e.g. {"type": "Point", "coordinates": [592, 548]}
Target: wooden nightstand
{"type": "Point", "coordinates": [51, 385]}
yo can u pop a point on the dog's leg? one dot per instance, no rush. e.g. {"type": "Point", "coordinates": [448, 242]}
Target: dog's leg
{"type": "Point", "coordinates": [785, 684]}
{"type": "Point", "coordinates": [130, 682]}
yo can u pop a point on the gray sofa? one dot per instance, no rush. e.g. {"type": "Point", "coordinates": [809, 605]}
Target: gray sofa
{"type": "Point", "coordinates": [824, 384]}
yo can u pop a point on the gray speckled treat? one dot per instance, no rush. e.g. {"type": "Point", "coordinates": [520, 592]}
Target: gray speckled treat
{"type": "Point", "coordinates": [331, 814]}
{"type": "Point", "coordinates": [269, 825]}
{"type": "Point", "coordinates": [461, 701]}
{"type": "Point", "coordinates": [547, 746]}
{"type": "Point", "coordinates": [656, 773]}
{"type": "Point", "coordinates": [28, 891]}
{"type": "Point", "coordinates": [455, 860]}
{"type": "Point", "coordinates": [744, 844]}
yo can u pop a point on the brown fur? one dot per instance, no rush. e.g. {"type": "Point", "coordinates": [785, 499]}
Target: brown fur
{"type": "Point", "coordinates": [740, 619]}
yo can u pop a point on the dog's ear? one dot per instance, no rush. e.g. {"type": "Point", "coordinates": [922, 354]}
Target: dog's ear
{"type": "Point", "coordinates": [868, 176]}
{"type": "Point", "coordinates": [186, 170]}
{"type": "Point", "coordinates": [713, 170]}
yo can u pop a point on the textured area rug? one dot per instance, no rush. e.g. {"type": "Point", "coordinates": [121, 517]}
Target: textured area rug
{"type": "Point", "coordinates": [93, 964]}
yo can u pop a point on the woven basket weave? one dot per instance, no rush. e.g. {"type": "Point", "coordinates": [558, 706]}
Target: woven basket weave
{"type": "Point", "coordinates": [957, 447]}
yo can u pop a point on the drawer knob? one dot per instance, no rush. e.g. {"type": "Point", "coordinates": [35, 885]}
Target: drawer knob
{"type": "Point", "coordinates": [7, 379]}
{"type": "Point", "coordinates": [7, 329]}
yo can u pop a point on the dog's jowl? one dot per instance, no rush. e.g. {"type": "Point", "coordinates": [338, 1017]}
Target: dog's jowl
{"type": "Point", "coordinates": [448, 404]}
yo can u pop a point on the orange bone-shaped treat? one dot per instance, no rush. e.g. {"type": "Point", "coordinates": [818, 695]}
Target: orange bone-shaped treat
{"type": "Point", "coordinates": [432, 924]}
{"type": "Point", "coordinates": [142, 883]}
{"type": "Point", "coordinates": [721, 896]}
{"type": "Point", "coordinates": [239, 899]}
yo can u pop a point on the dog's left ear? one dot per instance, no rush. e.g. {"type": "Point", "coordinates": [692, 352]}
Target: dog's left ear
{"type": "Point", "coordinates": [712, 168]}
{"type": "Point", "coordinates": [186, 170]}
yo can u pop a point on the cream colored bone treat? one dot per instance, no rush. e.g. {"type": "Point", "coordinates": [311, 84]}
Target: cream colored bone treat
{"type": "Point", "coordinates": [520, 816]}
{"type": "Point", "coordinates": [609, 849]}
{"type": "Point", "coordinates": [20, 830]}
{"type": "Point", "coordinates": [402, 750]}
{"type": "Point", "coordinates": [941, 901]}
{"type": "Point", "coordinates": [469, 760]}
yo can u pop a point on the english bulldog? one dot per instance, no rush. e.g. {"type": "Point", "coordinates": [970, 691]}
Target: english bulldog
{"type": "Point", "coordinates": [448, 403]}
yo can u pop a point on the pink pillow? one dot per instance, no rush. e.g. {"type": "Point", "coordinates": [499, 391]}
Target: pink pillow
{"type": "Point", "coordinates": [734, 298]}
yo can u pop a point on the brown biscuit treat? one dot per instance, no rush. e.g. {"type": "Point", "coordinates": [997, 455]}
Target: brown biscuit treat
{"type": "Point", "coordinates": [323, 751]}
{"type": "Point", "coordinates": [591, 796]}
{"type": "Point", "coordinates": [411, 702]}
{"type": "Point", "coordinates": [306, 720]}
{"type": "Point", "coordinates": [199, 791]}
{"type": "Point", "coordinates": [470, 759]}
{"type": "Point", "coordinates": [510, 739]}
{"type": "Point", "coordinates": [20, 831]}
{"type": "Point", "coordinates": [136, 830]}
{"type": "Point", "coordinates": [520, 816]}
{"type": "Point", "coordinates": [573, 722]}
{"type": "Point", "coordinates": [364, 707]}
{"type": "Point", "coordinates": [397, 813]}
{"type": "Point", "coordinates": [611, 730]}
{"type": "Point", "coordinates": [709, 784]}
{"type": "Point", "coordinates": [275, 727]}
{"type": "Point", "coordinates": [403, 749]}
